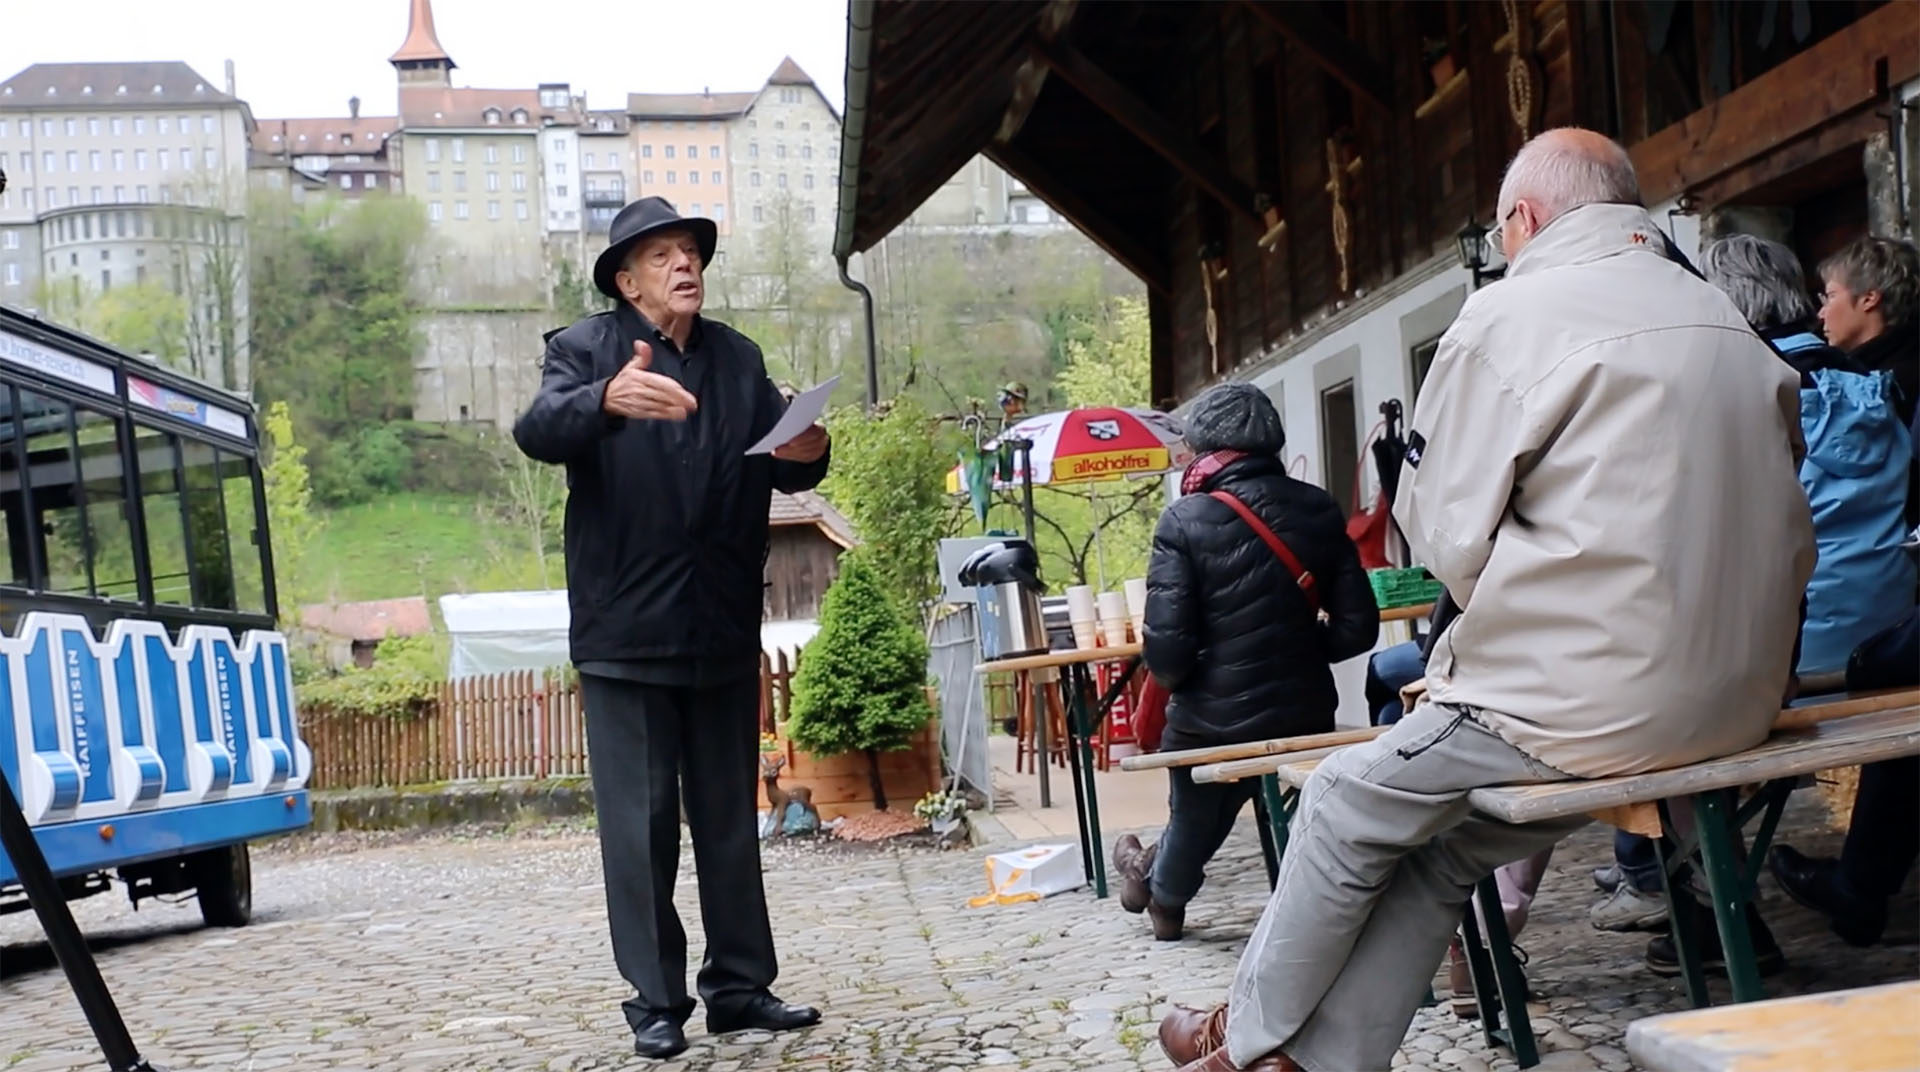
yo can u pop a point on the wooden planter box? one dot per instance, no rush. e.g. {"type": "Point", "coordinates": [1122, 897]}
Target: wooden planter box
{"type": "Point", "coordinates": [840, 785]}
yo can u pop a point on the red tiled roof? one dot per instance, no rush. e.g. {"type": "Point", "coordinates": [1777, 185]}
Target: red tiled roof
{"type": "Point", "coordinates": [431, 106]}
{"type": "Point", "coordinates": [422, 42]}
{"type": "Point", "coordinates": [789, 74]}
{"type": "Point", "coordinates": [687, 105]}
{"type": "Point", "coordinates": [325, 137]}
{"type": "Point", "coordinates": [374, 620]}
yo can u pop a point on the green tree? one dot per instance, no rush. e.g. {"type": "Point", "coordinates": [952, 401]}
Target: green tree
{"type": "Point", "coordinates": [1113, 364]}
{"type": "Point", "coordinates": [889, 478]}
{"type": "Point", "coordinates": [290, 518]}
{"type": "Point", "coordinates": [861, 686]}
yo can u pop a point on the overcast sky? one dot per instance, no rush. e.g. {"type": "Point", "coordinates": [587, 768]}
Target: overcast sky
{"type": "Point", "coordinates": [323, 53]}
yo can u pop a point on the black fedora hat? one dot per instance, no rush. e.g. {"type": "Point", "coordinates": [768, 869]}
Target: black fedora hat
{"type": "Point", "coordinates": [649, 215]}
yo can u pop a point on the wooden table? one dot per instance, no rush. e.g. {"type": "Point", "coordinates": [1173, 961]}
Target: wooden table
{"type": "Point", "coordinates": [1086, 710]}
{"type": "Point", "coordinates": [1406, 614]}
{"type": "Point", "coordinates": [1870, 1029]}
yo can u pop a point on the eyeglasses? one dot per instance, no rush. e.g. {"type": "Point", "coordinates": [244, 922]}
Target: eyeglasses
{"type": "Point", "coordinates": [1500, 229]}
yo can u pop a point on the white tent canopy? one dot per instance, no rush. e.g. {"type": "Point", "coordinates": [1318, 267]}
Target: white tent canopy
{"type": "Point", "coordinates": [499, 632]}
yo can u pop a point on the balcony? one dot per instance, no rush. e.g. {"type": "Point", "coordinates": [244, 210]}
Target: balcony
{"type": "Point", "coordinates": [614, 196]}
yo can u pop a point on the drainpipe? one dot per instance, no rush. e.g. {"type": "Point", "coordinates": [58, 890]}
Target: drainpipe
{"type": "Point", "coordinates": [873, 353]}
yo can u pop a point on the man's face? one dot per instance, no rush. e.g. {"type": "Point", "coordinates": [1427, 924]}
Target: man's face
{"type": "Point", "coordinates": [1848, 319]}
{"type": "Point", "coordinates": [662, 275]}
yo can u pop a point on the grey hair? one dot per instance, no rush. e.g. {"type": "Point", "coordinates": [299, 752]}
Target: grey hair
{"type": "Point", "coordinates": [1762, 277]}
{"type": "Point", "coordinates": [1562, 169]}
{"type": "Point", "coordinates": [1883, 264]}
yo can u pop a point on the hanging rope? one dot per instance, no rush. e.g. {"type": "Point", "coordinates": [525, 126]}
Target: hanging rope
{"type": "Point", "coordinates": [1342, 223]}
{"type": "Point", "coordinates": [1519, 74]}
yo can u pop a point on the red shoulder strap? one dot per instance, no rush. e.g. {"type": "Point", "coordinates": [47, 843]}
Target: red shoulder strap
{"type": "Point", "coordinates": [1301, 575]}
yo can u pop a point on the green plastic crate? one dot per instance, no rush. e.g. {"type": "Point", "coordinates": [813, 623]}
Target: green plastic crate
{"type": "Point", "coordinates": [1403, 587]}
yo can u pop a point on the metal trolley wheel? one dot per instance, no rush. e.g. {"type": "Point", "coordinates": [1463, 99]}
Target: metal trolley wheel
{"type": "Point", "coordinates": [224, 877]}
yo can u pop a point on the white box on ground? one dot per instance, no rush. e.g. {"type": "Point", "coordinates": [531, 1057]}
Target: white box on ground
{"type": "Point", "coordinates": [1031, 874]}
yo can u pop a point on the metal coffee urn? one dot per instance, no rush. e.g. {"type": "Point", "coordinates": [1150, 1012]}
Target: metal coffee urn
{"type": "Point", "coordinates": [1005, 577]}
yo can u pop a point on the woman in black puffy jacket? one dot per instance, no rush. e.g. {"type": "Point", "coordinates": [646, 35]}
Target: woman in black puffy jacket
{"type": "Point", "coordinates": [1233, 635]}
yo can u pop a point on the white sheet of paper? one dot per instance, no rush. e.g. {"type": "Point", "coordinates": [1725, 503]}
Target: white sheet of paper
{"type": "Point", "coordinates": [801, 414]}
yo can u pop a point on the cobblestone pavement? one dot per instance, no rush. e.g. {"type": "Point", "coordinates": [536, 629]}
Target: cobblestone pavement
{"type": "Point", "coordinates": [489, 951]}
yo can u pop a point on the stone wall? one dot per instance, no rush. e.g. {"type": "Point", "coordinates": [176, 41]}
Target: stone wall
{"type": "Point", "coordinates": [479, 366]}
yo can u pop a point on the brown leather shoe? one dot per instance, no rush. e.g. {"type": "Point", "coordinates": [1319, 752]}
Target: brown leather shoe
{"type": "Point", "coordinates": [1135, 866]}
{"type": "Point", "coordinates": [1169, 924]}
{"type": "Point", "coordinates": [1218, 1061]}
{"type": "Point", "coordinates": [1460, 980]}
{"type": "Point", "coordinates": [1188, 1034]}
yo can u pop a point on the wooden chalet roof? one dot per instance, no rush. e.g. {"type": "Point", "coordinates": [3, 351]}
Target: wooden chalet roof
{"type": "Point", "coordinates": [808, 508]}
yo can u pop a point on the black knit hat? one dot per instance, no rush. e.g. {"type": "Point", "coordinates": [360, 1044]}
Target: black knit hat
{"type": "Point", "coordinates": [1235, 416]}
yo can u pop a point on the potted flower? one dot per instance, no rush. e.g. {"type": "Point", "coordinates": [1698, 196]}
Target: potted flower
{"type": "Point", "coordinates": [942, 810]}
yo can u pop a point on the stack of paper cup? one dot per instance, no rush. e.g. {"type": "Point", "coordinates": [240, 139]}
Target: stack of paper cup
{"type": "Point", "coordinates": [1081, 614]}
{"type": "Point", "coordinates": [1136, 590]}
{"type": "Point", "coordinates": [1113, 618]}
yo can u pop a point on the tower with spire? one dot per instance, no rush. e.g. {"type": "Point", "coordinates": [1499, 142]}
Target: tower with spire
{"type": "Point", "coordinates": [422, 60]}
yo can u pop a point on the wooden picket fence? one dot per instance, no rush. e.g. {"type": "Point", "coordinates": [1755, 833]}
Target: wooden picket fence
{"type": "Point", "coordinates": [527, 724]}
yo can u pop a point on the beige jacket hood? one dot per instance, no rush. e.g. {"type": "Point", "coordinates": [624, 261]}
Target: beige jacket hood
{"type": "Point", "coordinates": [1603, 473]}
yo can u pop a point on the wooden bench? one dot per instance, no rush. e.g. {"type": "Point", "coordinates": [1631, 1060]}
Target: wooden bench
{"type": "Point", "coordinates": [1816, 737]}
{"type": "Point", "coordinates": [1871, 1029]}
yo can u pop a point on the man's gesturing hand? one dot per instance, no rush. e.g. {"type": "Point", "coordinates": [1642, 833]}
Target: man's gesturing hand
{"type": "Point", "coordinates": [805, 448]}
{"type": "Point", "coordinates": [636, 392]}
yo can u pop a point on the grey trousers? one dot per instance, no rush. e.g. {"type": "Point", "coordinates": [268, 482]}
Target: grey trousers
{"type": "Point", "coordinates": [1382, 856]}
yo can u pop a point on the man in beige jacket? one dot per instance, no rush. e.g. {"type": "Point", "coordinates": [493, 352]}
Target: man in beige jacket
{"type": "Point", "coordinates": [1602, 472]}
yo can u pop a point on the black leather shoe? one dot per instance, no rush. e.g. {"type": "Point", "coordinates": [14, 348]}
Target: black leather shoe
{"type": "Point", "coordinates": [1816, 884]}
{"type": "Point", "coordinates": [659, 1037]}
{"type": "Point", "coordinates": [761, 1012]}
{"type": "Point", "coordinates": [1664, 960]}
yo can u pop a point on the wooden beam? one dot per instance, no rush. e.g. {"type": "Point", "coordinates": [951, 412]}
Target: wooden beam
{"type": "Point", "coordinates": [1120, 244]}
{"type": "Point", "coordinates": [1109, 96]}
{"type": "Point", "coordinates": [1032, 76]}
{"type": "Point", "coordinates": [1334, 51]}
{"type": "Point", "coordinates": [1832, 78]}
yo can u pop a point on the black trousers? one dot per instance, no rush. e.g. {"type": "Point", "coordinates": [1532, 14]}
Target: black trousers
{"type": "Point", "coordinates": [1883, 838]}
{"type": "Point", "coordinates": [641, 739]}
{"type": "Point", "coordinates": [1199, 818]}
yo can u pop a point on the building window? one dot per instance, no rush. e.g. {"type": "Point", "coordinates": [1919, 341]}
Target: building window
{"type": "Point", "coordinates": [460, 182]}
{"type": "Point", "coordinates": [11, 240]}
{"type": "Point", "coordinates": [1421, 357]}
{"type": "Point", "coordinates": [806, 181]}
{"type": "Point", "coordinates": [667, 152]}
{"type": "Point", "coordinates": [806, 150]}
{"type": "Point", "coordinates": [160, 125]}
{"type": "Point", "coordinates": [206, 124]}
{"type": "Point", "coordinates": [459, 210]}
{"type": "Point", "coordinates": [758, 215]}
{"type": "Point", "coordinates": [589, 163]}
{"type": "Point", "coordinates": [49, 163]}
{"type": "Point", "coordinates": [693, 209]}
{"type": "Point", "coordinates": [119, 195]}
{"type": "Point", "coordinates": [719, 211]}
{"type": "Point", "coordinates": [693, 178]}
{"type": "Point", "coordinates": [493, 182]}
{"type": "Point", "coordinates": [809, 213]}
{"type": "Point", "coordinates": [93, 160]}
{"type": "Point", "coordinates": [493, 210]}
{"type": "Point", "coordinates": [207, 158]}
{"type": "Point", "coordinates": [559, 167]}
{"type": "Point", "coordinates": [646, 177]}
{"type": "Point", "coordinates": [114, 125]}
{"type": "Point", "coordinates": [492, 154]}
{"type": "Point", "coordinates": [346, 182]}
{"type": "Point", "coordinates": [780, 180]}
{"type": "Point", "coordinates": [11, 273]}
{"type": "Point", "coordinates": [119, 160]}
{"type": "Point", "coordinates": [433, 182]}
{"type": "Point", "coordinates": [1339, 443]}
{"type": "Point", "coordinates": [753, 150]}
{"type": "Point", "coordinates": [163, 157]}
{"type": "Point", "coordinates": [779, 124]}
{"type": "Point", "coordinates": [715, 177]}
{"type": "Point", "coordinates": [433, 211]}
{"type": "Point", "coordinates": [519, 154]}
{"type": "Point", "coordinates": [459, 150]}
{"type": "Point", "coordinates": [70, 127]}
{"type": "Point", "coordinates": [519, 182]}
{"type": "Point", "coordinates": [367, 182]}
{"type": "Point", "coordinates": [139, 160]}
{"type": "Point", "coordinates": [753, 179]}
{"type": "Point", "coordinates": [98, 195]}
{"type": "Point", "coordinates": [693, 152]}
{"type": "Point", "coordinates": [73, 160]}
{"type": "Point", "coordinates": [139, 124]}
{"type": "Point", "coordinates": [491, 116]}
{"type": "Point", "coordinates": [520, 210]}
{"type": "Point", "coordinates": [560, 191]}
{"type": "Point", "coordinates": [433, 150]}
{"type": "Point", "coordinates": [140, 192]}
{"type": "Point", "coordinates": [646, 152]}
{"type": "Point", "coordinates": [780, 150]}
{"type": "Point", "coordinates": [613, 161]}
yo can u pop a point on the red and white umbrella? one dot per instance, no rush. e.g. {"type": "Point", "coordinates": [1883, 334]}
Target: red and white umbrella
{"type": "Point", "coordinates": [1082, 445]}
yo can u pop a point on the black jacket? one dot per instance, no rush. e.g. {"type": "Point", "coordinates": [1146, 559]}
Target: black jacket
{"type": "Point", "coordinates": [666, 530]}
{"type": "Point", "coordinates": [1229, 632]}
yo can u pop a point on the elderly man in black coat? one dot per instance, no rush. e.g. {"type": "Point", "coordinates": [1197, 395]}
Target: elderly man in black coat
{"type": "Point", "coordinates": [652, 409]}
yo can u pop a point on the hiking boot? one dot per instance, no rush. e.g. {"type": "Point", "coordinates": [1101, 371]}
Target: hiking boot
{"type": "Point", "coordinates": [1135, 866]}
{"type": "Point", "coordinates": [1628, 909]}
{"type": "Point", "coordinates": [1663, 960]}
{"type": "Point", "coordinates": [1816, 883]}
{"type": "Point", "coordinates": [1169, 923]}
